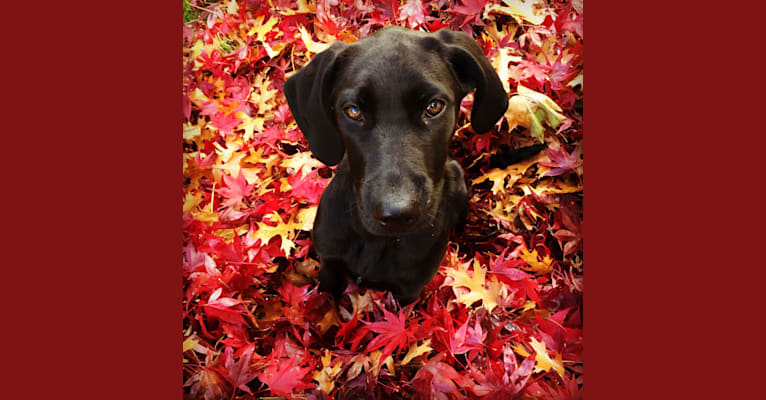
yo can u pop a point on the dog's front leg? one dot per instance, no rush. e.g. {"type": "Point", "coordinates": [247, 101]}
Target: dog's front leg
{"type": "Point", "coordinates": [332, 278]}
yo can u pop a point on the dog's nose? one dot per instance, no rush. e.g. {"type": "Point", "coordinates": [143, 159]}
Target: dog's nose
{"type": "Point", "coordinates": [396, 216]}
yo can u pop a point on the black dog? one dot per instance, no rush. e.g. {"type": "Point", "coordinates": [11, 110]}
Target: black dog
{"type": "Point", "coordinates": [390, 104]}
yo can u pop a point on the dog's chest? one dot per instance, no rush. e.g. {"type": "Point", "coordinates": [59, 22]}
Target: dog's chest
{"type": "Point", "coordinates": [409, 260]}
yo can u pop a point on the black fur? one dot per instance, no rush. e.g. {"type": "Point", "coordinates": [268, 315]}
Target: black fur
{"type": "Point", "coordinates": [385, 218]}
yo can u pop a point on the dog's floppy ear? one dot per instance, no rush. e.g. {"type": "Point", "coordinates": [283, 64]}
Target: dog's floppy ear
{"type": "Point", "coordinates": [308, 95]}
{"type": "Point", "coordinates": [474, 71]}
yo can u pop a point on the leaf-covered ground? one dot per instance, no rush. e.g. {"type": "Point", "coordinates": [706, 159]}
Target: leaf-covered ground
{"type": "Point", "coordinates": [503, 317]}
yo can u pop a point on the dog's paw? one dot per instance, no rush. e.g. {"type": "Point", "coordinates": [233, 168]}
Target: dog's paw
{"type": "Point", "coordinates": [331, 280]}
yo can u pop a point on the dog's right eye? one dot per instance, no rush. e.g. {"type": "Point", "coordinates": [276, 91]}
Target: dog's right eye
{"type": "Point", "coordinates": [434, 108]}
{"type": "Point", "coordinates": [353, 112]}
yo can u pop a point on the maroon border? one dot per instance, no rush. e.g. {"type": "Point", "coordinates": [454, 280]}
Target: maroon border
{"type": "Point", "coordinates": [671, 282]}
{"type": "Point", "coordinates": [91, 201]}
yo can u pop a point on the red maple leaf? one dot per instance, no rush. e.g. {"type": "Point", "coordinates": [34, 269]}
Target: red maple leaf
{"type": "Point", "coordinates": [502, 380]}
{"type": "Point", "coordinates": [345, 330]}
{"type": "Point", "coordinates": [235, 190]}
{"type": "Point", "coordinates": [562, 72]}
{"type": "Point", "coordinates": [567, 229]}
{"type": "Point", "coordinates": [309, 187]}
{"type": "Point", "coordinates": [436, 378]}
{"type": "Point", "coordinates": [239, 373]}
{"type": "Point", "coordinates": [392, 332]}
{"type": "Point", "coordinates": [294, 295]}
{"type": "Point", "coordinates": [568, 390]}
{"type": "Point", "coordinates": [208, 108]}
{"type": "Point", "coordinates": [531, 69]}
{"type": "Point", "coordinates": [562, 161]}
{"type": "Point", "coordinates": [283, 377]}
{"type": "Point", "coordinates": [570, 21]}
{"type": "Point", "coordinates": [472, 10]}
{"type": "Point", "coordinates": [224, 122]}
{"type": "Point", "coordinates": [224, 308]}
{"type": "Point", "coordinates": [206, 384]}
{"type": "Point", "coordinates": [465, 338]}
{"type": "Point", "coordinates": [414, 12]}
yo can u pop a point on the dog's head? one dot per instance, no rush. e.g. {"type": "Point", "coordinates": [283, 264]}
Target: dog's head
{"type": "Point", "coordinates": [390, 102]}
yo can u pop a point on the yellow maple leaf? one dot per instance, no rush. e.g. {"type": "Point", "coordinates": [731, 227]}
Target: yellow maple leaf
{"type": "Point", "coordinates": [417, 350]}
{"type": "Point", "coordinates": [261, 28]}
{"type": "Point", "coordinates": [505, 211]}
{"type": "Point", "coordinates": [249, 125]}
{"type": "Point", "coordinates": [536, 266]}
{"type": "Point", "coordinates": [273, 50]}
{"type": "Point", "coordinates": [543, 360]}
{"type": "Point", "coordinates": [548, 186]}
{"type": "Point", "coordinates": [191, 132]}
{"type": "Point", "coordinates": [305, 218]}
{"type": "Point", "coordinates": [196, 50]}
{"type": "Point", "coordinates": [514, 172]}
{"type": "Point", "coordinates": [250, 174]}
{"type": "Point", "coordinates": [377, 363]}
{"type": "Point", "coordinates": [232, 166]}
{"type": "Point", "coordinates": [326, 376]}
{"type": "Point", "coordinates": [229, 233]}
{"type": "Point", "coordinates": [311, 45]}
{"type": "Point", "coordinates": [301, 161]}
{"type": "Point", "coordinates": [303, 8]}
{"type": "Point", "coordinates": [577, 80]}
{"type": "Point", "coordinates": [191, 201]}
{"type": "Point", "coordinates": [205, 215]}
{"type": "Point", "coordinates": [533, 11]}
{"type": "Point", "coordinates": [190, 342]}
{"type": "Point", "coordinates": [497, 176]}
{"type": "Point", "coordinates": [263, 97]}
{"type": "Point", "coordinates": [225, 153]}
{"type": "Point", "coordinates": [475, 284]}
{"type": "Point", "coordinates": [255, 156]}
{"type": "Point", "coordinates": [359, 303]}
{"type": "Point", "coordinates": [285, 229]}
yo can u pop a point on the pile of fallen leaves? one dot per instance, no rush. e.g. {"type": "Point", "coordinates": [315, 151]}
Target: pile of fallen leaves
{"type": "Point", "coordinates": [503, 317]}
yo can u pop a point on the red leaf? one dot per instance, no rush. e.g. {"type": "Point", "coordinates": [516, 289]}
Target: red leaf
{"type": "Point", "coordinates": [239, 373]}
{"type": "Point", "coordinates": [502, 380]}
{"type": "Point", "coordinates": [294, 295]}
{"type": "Point", "coordinates": [531, 69]}
{"type": "Point", "coordinates": [283, 378]}
{"type": "Point", "coordinates": [235, 190]}
{"type": "Point", "coordinates": [472, 10]}
{"type": "Point", "coordinates": [561, 161]}
{"type": "Point", "coordinates": [413, 11]}
{"type": "Point", "coordinates": [567, 229]}
{"type": "Point", "coordinates": [226, 123]}
{"type": "Point", "coordinates": [309, 187]}
{"type": "Point", "coordinates": [206, 384]}
{"type": "Point", "coordinates": [345, 329]}
{"type": "Point", "coordinates": [392, 333]}
{"type": "Point", "coordinates": [462, 341]}
{"type": "Point", "coordinates": [221, 308]}
{"type": "Point", "coordinates": [436, 378]}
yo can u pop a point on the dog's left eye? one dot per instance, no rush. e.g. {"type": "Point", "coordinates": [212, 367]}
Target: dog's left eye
{"type": "Point", "coordinates": [353, 112]}
{"type": "Point", "coordinates": [434, 108]}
